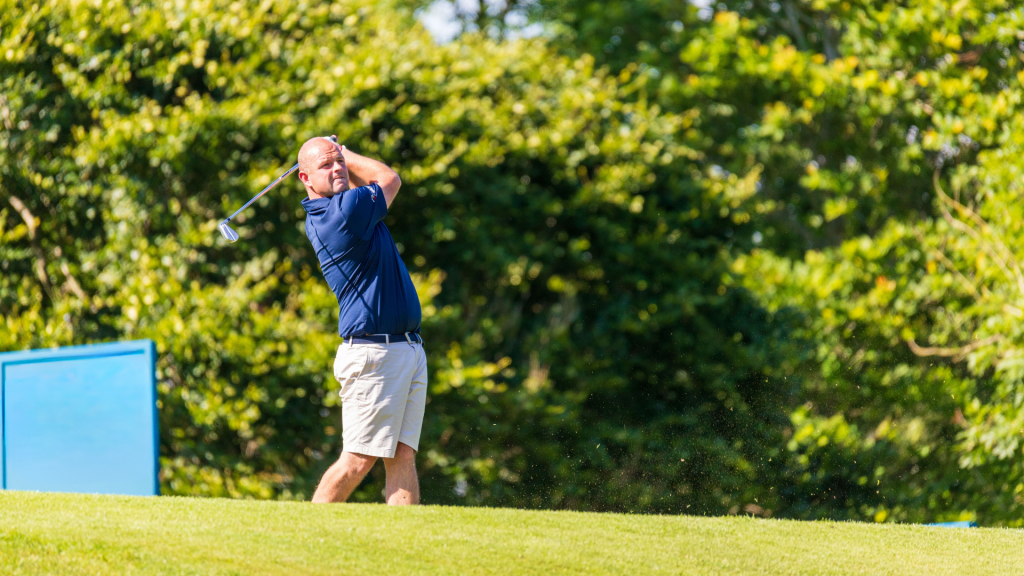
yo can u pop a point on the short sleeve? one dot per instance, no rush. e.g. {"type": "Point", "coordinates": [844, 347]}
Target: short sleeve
{"type": "Point", "coordinates": [362, 208]}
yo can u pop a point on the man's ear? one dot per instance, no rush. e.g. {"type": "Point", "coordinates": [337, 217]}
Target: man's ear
{"type": "Point", "coordinates": [304, 178]}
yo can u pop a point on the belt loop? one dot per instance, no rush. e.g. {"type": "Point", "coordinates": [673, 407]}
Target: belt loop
{"type": "Point", "coordinates": [351, 341]}
{"type": "Point", "coordinates": [387, 340]}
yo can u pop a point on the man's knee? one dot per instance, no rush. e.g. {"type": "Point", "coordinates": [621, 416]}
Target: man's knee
{"type": "Point", "coordinates": [404, 454]}
{"type": "Point", "coordinates": [358, 463]}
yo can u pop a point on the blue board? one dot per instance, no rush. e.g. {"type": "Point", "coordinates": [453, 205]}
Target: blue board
{"type": "Point", "coordinates": [960, 524]}
{"type": "Point", "coordinates": [80, 419]}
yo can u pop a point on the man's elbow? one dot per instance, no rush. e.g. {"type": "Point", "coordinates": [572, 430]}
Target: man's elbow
{"type": "Point", "coordinates": [391, 187]}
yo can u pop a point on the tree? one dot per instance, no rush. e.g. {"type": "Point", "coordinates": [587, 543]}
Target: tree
{"type": "Point", "coordinates": [571, 266]}
{"type": "Point", "coordinates": [862, 114]}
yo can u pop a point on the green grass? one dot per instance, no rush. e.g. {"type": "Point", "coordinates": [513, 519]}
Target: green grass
{"type": "Point", "coordinates": [75, 534]}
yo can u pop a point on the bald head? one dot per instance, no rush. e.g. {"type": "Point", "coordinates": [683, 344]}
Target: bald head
{"type": "Point", "coordinates": [322, 168]}
{"type": "Point", "coordinates": [313, 149]}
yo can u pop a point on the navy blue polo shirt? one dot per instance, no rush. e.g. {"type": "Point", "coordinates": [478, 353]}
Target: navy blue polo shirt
{"type": "Point", "coordinates": [361, 263]}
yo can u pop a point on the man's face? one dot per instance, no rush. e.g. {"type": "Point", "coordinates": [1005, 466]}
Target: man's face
{"type": "Point", "coordinates": [327, 172]}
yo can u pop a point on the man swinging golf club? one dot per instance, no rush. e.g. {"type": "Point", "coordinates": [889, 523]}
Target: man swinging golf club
{"type": "Point", "coordinates": [380, 364]}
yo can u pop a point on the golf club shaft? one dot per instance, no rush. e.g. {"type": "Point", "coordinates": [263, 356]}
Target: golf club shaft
{"type": "Point", "coordinates": [265, 190]}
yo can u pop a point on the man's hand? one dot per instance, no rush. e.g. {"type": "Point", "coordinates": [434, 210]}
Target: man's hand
{"type": "Point", "coordinates": [363, 171]}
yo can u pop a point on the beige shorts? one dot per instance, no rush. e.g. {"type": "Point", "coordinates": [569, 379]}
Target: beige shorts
{"type": "Point", "coordinates": [383, 395]}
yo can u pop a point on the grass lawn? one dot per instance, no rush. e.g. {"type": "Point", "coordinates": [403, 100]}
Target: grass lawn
{"type": "Point", "coordinates": [76, 534]}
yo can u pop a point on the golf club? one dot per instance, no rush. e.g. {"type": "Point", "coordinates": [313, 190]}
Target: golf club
{"type": "Point", "coordinates": [225, 228]}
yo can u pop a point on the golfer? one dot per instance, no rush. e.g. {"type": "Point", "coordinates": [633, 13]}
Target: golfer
{"type": "Point", "coordinates": [380, 364]}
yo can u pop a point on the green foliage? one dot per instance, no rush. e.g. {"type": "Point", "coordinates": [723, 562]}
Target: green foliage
{"type": "Point", "coordinates": [757, 259]}
{"type": "Point", "coordinates": [908, 300]}
{"type": "Point", "coordinates": [570, 251]}
{"type": "Point", "coordinates": [914, 323]}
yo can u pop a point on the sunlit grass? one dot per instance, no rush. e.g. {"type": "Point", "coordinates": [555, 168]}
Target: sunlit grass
{"type": "Point", "coordinates": [75, 534]}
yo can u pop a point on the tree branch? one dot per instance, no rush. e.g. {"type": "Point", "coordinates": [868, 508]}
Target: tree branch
{"type": "Point", "coordinates": [957, 354]}
{"type": "Point", "coordinates": [951, 266]}
{"type": "Point", "coordinates": [30, 222]}
{"type": "Point", "coordinates": [73, 284]}
{"type": "Point", "coordinates": [990, 246]}
{"type": "Point", "coordinates": [794, 25]}
{"type": "Point", "coordinates": [5, 113]}
{"type": "Point", "coordinates": [481, 16]}
{"type": "Point", "coordinates": [829, 40]}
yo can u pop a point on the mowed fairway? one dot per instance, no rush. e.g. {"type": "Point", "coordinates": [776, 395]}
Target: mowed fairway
{"type": "Point", "coordinates": [74, 534]}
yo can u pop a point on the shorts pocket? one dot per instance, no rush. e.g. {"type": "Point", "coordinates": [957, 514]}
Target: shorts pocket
{"type": "Point", "coordinates": [367, 388]}
{"type": "Point", "coordinates": [349, 365]}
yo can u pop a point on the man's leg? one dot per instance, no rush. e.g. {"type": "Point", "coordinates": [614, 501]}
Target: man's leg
{"type": "Point", "coordinates": [402, 486]}
{"type": "Point", "coordinates": [342, 477]}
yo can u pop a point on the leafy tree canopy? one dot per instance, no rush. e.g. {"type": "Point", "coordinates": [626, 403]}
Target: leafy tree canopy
{"type": "Point", "coordinates": [755, 258]}
{"type": "Point", "coordinates": [888, 137]}
{"type": "Point", "coordinates": [570, 250]}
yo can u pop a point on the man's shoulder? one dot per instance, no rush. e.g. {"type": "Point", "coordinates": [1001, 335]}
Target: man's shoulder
{"type": "Point", "coordinates": [372, 191]}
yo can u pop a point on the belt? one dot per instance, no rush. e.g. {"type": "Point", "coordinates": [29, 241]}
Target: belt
{"type": "Point", "coordinates": [410, 337]}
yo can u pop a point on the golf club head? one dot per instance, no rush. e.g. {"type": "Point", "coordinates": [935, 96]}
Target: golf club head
{"type": "Point", "coordinates": [227, 232]}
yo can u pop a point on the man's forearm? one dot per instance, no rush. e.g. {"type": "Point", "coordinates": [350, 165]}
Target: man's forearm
{"type": "Point", "coordinates": [363, 170]}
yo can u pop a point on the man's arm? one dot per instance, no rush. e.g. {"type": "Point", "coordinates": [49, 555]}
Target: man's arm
{"type": "Point", "coordinates": [363, 171]}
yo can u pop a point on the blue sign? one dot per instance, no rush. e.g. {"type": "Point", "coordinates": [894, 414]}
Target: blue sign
{"type": "Point", "coordinates": [80, 419]}
{"type": "Point", "coordinates": [960, 524]}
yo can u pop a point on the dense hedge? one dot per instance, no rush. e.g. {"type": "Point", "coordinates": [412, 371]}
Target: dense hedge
{"type": "Point", "coordinates": [890, 135]}
{"type": "Point", "coordinates": [570, 251]}
{"type": "Point", "coordinates": [760, 259]}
